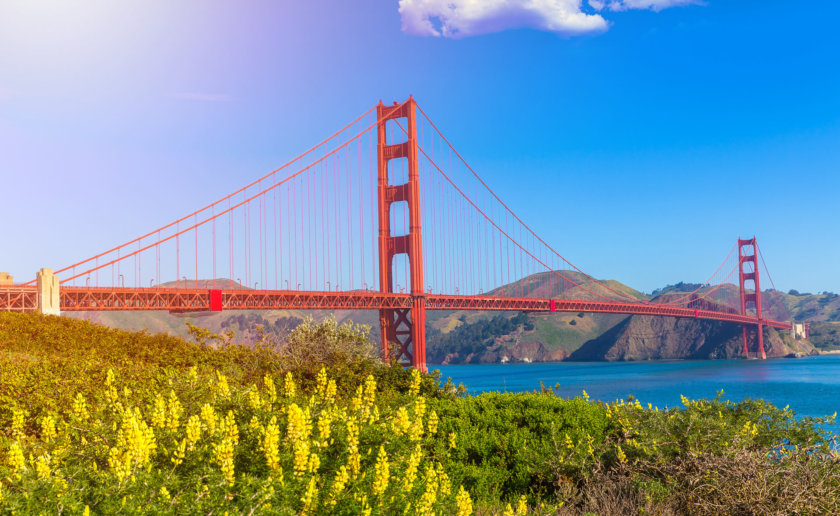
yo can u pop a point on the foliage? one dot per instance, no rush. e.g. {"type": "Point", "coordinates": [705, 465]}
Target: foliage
{"type": "Point", "coordinates": [124, 422]}
{"type": "Point", "coordinates": [471, 337]}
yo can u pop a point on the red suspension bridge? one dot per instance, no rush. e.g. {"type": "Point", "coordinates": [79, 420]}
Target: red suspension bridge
{"type": "Point", "coordinates": [383, 215]}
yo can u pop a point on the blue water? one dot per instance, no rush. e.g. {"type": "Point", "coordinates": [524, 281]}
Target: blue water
{"type": "Point", "coordinates": [810, 386]}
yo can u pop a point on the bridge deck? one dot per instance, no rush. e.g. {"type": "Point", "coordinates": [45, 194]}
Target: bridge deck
{"type": "Point", "coordinates": [21, 298]}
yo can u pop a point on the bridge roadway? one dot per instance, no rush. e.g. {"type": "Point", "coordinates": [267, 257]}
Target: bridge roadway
{"type": "Point", "coordinates": [24, 299]}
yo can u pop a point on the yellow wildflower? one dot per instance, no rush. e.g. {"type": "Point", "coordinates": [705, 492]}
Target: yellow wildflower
{"type": "Point", "coordinates": [310, 496]}
{"type": "Point", "coordinates": [381, 472]}
{"type": "Point", "coordinates": [338, 485]}
{"type": "Point", "coordinates": [42, 467]}
{"type": "Point", "coordinates": [16, 459]}
{"type": "Point", "coordinates": [208, 415]}
{"type": "Point", "coordinates": [224, 458]}
{"type": "Point", "coordinates": [17, 422]}
{"type": "Point", "coordinates": [179, 453]}
{"type": "Point", "coordinates": [193, 431]}
{"type": "Point", "coordinates": [401, 423]}
{"type": "Point", "coordinates": [159, 412]}
{"type": "Point", "coordinates": [254, 400]}
{"type": "Point", "coordinates": [522, 506]}
{"type": "Point", "coordinates": [270, 389]}
{"type": "Point", "coordinates": [463, 502]}
{"type": "Point", "coordinates": [173, 420]}
{"type": "Point", "coordinates": [414, 389]}
{"type": "Point", "coordinates": [354, 459]}
{"type": "Point", "coordinates": [508, 511]}
{"type": "Point", "coordinates": [411, 469]}
{"type": "Point", "coordinates": [433, 422]}
{"type": "Point", "coordinates": [48, 428]}
{"type": "Point", "coordinates": [289, 385]}
{"type": "Point", "coordinates": [222, 388]}
{"type": "Point", "coordinates": [80, 407]}
{"type": "Point", "coordinates": [271, 443]}
{"type": "Point", "coordinates": [452, 438]}
{"type": "Point", "coordinates": [300, 461]}
{"type": "Point", "coordinates": [321, 383]}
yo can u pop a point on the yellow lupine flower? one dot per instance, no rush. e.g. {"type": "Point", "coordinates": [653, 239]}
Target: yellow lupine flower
{"type": "Point", "coordinates": [411, 469]}
{"type": "Point", "coordinates": [16, 459]}
{"type": "Point", "coordinates": [18, 416]}
{"type": "Point", "coordinates": [522, 506]}
{"type": "Point", "coordinates": [429, 497]}
{"type": "Point", "coordinates": [314, 463]}
{"type": "Point", "coordinates": [208, 415]}
{"type": "Point", "coordinates": [433, 422]}
{"type": "Point", "coordinates": [463, 503]}
{"type": "Point", "coordinates": [271, 443]}
{"type": "Point", "coordinates": [300, 461]}
{"type": "Point", "coordinates": [381, 472]}
{"type": "Point", "coordinates": [193, 374]}
{"type": "Point", "coordinates": [414, 389]}
{"type": "Point", "coordinates": [179, 453]}
{"type": "Point", "coordinates": [452, 438]}
{"type": "Point", "coordinates": [508, 509]}
{"type": "Point", "coordinates": [159, 412]}
{"type": "Point", "coordinates": [321, 383]}
{"type": "Point", "coordinates": [231, 430]}
{"type": "Point", "coordinates": [222, 388]}
{"type": "Point", "coordinates": [324, 429]}
{"type": "Point", "coordinates": [310, 496]}
{"type": "Point", "coordinates": [289, 388]}
{"type": "Point", "coordinates": [338, 485]}
{"type": "Point", "coordinates": [80, 407]}
{"type": "Point", "coordinates": [173, 420]}
{"type": "Point", "coordinates": [270, 389]}
{"type": "Point", "coordinates": [254, 400]}
{"type": "Point", "coordinates": [444, 486]}
{"type": "Point", "coordinates": [354, 459]}
{"type": "Point", "coordinates": [299, 426]}
{"type": "Point", "coordinates": [193, 431]}
{"type": "Point", "coordinates": [329, 396]}
{"type": "Point", "coordinates": [224, 458]}
{"type": "Point", "coordinates": [401, 423]}
{"type": "Point", "coordinates": [48, 428]}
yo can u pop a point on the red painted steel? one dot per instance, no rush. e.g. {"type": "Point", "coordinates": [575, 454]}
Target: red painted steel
{"type": "Point", "coordinates": [408, 334]}
{"type": "Point", "coordinates": [216, 300]}
{"type": "Point", "coordinates": [75, 299]}
{"type": "Point", "coordinates": [18, 299]}
{"type": "Point", "coordinates": [750, 299]}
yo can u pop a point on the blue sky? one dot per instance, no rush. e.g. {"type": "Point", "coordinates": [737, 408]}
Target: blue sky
{"type": "Point", "coordinates": [639, 138]}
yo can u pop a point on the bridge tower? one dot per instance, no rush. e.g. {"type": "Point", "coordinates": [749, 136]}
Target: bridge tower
{"type": "Point", "coordinates": [404, 328]}
{"type": "Point", "coordinates": [750, 300]}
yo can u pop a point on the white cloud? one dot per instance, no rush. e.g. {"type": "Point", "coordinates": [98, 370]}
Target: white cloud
{"type": "Point", "coordinates": [460, 18]}
{"type": "Point", "coordinates": [653, 5]}
{"type": "Point", "coordinates": [204, 97]}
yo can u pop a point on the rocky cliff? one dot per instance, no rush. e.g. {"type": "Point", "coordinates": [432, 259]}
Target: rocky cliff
{"type": "Point", "coordinates": [662, 338]}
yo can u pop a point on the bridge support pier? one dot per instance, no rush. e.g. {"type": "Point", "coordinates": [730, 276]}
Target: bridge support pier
{"type": "Point", "coordinates": [47, 287]}
{"type": "Point", "coordinates": [404, 328]}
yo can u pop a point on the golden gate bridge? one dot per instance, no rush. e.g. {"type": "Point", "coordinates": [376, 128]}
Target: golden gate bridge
{"type": "Point", "coordinates": [383, 215]}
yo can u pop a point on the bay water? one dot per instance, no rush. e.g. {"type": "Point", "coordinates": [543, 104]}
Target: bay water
{"type": "Point", "coordinates": [810, 386]}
